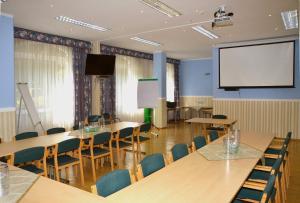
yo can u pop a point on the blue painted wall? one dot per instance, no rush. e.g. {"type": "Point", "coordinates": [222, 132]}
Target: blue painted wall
{"type": "Point", "coordinates": [257, 93]}
{"type": "Point", "coordinates": [159, 71]}
{"type": "Point", "coordinates": [195, 77]}
{"type": "Point", "coordinates": [7, 75]}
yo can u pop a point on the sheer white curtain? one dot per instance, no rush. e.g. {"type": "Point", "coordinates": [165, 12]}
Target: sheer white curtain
{"type": "Point", "coordinates": [170, 82]}
{"type": "Point", "coordinates": [128, 71]}
{"type": "Point", "coordinates": [48, 70]}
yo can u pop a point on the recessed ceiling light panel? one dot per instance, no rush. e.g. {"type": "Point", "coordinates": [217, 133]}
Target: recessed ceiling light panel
{"type": "Point", "coordinates": [290, 19]}
{"type": "Point", "coordinates": [146, 41]}
{"type": "Point", "coordinates": [2, 1]}
{"type": "Point", "coordinates": [205, 32]}
{"type": "Point", "coordinates": [162, 7]}
{"type": "Point", "coordinates": [80, 23]}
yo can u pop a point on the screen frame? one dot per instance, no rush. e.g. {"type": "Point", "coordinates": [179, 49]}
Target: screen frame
{"type": "Point", "coordinates": [260, 44]}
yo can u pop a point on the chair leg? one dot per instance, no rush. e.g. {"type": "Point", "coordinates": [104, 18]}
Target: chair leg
{"type": "Point", "coordinates": [67, 173]}
{"type": "Point", "coordinates": [57, 174]}
{"type": "Point", "coordinates": [111, 161]}
{"type": "Point", "coordinates": [81, 171]}
{"type": "Point", "coordinates": [118, 154]}
{"type": "Point", "coordinates": [93, 169]}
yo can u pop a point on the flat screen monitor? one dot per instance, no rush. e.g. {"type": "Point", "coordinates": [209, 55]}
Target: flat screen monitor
{"type": "Point", "coordinates": [103, 65]}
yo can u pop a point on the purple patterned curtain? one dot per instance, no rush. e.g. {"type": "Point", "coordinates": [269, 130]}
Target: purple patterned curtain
{"type": "Point", "coordinates": [108, 99]}
{"type": "Point", "coordinates": [82, 85]}
{"type": "Point", "coordinates": [176, 89]}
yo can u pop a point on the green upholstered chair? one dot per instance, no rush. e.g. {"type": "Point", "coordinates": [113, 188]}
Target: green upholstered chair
{"type": "Point", "coordinates": [213, 135]}
{"type": "Point", "coordinates": [219, 129]}
{"type": "Point", "coordinates": [141, 134]}
{"type": "Point", "coordinates": [93, 118]}
{"type": "Point", "coordinates": [150, 164]}
{"type": "Point", "coordinates": [249, 193]}
{"type": "Point", "coordinates": [119, 142]}
{"type": "Point", "coordinates": [26, 135]}
{"type": "Point", "coordinates": [113, 182]}
{"type": "Point", "coordinates": [56, 130]}
{"type": "Point", "coordinates": [97, 150]}
{"type": "Point", "coordinates": [198, 142]}
{"type": "Point", "coordinates": [24, 159]}
{"type": "Point", "coordinates": [178, 151]}
{"type": "Point", "coordinates": [67, 154]}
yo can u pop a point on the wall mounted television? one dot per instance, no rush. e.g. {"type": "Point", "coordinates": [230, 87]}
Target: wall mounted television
{"type": "Point", "coordinates": [268, 65]}
{"type": "Point", "coordinates": [102, 65]}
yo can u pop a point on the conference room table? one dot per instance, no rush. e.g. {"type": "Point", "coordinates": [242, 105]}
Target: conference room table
{"type": "Point", "coordinates": [195, 179]}
{"type": "Point", "coordinates": [205, 122]}
{"type": "Point", "coordinates": [8, 148]}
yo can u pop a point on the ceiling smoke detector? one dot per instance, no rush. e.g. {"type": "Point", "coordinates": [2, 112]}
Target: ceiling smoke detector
{"type": "Point", "coordinates": [222, 18]}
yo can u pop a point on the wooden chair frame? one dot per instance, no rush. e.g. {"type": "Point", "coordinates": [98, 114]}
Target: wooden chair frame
{"type": "Point", "coordinates": [66, 166]}
{"type": "Point", "coordinates": [37, 163]}
{"type": "Point", "coordinates": [93, 157]}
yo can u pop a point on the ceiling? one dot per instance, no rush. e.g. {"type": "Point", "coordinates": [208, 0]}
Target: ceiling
{"type": "Point", "coordinates": [253, 19]}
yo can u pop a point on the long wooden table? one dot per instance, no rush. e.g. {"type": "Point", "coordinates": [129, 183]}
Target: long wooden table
{"type": "Point", "coordinates": [9, 148]}
{"type": "Point", "coordinates": [205, 122]}
{"type": "Point", "coordinates": [195, 179]}
{"type": "Point", "coordinates": [49, 191]}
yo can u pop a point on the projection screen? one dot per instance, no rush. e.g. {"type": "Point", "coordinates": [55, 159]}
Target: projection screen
{"type": "Point", "coordinates": [261, 65]}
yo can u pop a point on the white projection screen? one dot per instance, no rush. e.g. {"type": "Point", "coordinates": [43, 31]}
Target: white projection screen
{"type": "Point", "coordinates": [261, 65]}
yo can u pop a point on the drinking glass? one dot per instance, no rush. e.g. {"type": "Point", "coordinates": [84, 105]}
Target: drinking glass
{"type": "Point", "coordinates": [227, 141]}
{"type": "Point", "coordinates": [4, 179]}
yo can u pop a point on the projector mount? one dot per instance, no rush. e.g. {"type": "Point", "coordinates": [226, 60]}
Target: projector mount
{"type": "Point", "coordinates": [221, 18]}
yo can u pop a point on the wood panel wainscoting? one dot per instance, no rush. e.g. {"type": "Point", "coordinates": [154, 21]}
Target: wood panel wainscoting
{"type": "Point", "coordinates": [262, 115]}
{"type": "Point", "coordinates": [7, 124]}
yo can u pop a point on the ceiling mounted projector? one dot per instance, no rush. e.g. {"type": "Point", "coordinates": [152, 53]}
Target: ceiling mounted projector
{"type": "Point", "coordinates": [221, 18]}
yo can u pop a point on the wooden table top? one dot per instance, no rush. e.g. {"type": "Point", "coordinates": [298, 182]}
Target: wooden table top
{"type": "Point", "coordinates": [212, 121]}
{"type": "Point", "coordinates": [49, 191]}
{"type": "Point", "coordinates": [50, 140]}
{"type": "Point", "coordinates": [195, 179]}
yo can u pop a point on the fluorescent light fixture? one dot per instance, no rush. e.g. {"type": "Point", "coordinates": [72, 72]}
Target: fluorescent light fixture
{"type": "Point", "coordinates": [145, 41]}
{"type": "Point", "coordinates": [2, 1]}
{"type": "Point", "coordinates": [80, 23]}
{"type": "Point", "coordinates": [290, 19]}
{"type": "Point", "coordinates": [162, 7]}
{"type": "Point", "coordinates": [205, 32]}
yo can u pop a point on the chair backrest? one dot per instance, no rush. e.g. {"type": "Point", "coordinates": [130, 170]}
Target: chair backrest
{"type": "Point", "coordinates": [26, 135]}
{"type": "Point", "coordinates": [68, 145]}
{"type": "Point", "coordinates": [179, 151]}
{"type": "Point", "coordinates": [55, 130]}
{"type": "Point", "coordinates": [126, 132]}
{"type": "Point", "coordinates": [145, 127]}
{"type": "Point", "coordinates": [268, 189]}
{"type": "Point", "coordinates": [213, 135]}
{"type": "Point", "coordinates": [113, 182]}
{"type": "Point", "coordinates": [219, 116]}
{"type": "Point", "coordinates": [102, 138]}
{"type": "Point", "coordinates": [28, 155]}
{"type": "Point", "coordinates": [152, 163]}
{"type": "Point", "coordinates": [288, 138]}
{"type": "Point", "coordinates": [93, 118]}
{"type": "Point", "coordinates": [171, 104]}
{"type": "Point", "coordinates": [276, 165]}
{"type": "Point", "coordinates": [199, 141]}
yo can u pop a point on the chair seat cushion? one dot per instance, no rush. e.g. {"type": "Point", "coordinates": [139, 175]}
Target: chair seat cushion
{"type": "Point", "coordinates": [32, 168]}
{"type": "Point", "coordinates": [121, 144]}
{"type": "Point", "coordinates": [272, 151]}
{"type": "Point", "coordinates": [62, 160]}
{"type": "Point", "coordinates": [261, 175]}
{"type": "Point", "coordinates": [97, 151]}
{"type": "Point", "coordinates": [142, 139]}
{"type": "Point", "coordinates": [246, 193]}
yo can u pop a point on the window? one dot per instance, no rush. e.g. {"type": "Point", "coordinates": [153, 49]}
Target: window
{"type": "Point", "coordinates": [128, 71]}
{"type": "Point", "coordinates": [48, 71]}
